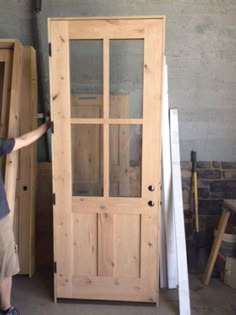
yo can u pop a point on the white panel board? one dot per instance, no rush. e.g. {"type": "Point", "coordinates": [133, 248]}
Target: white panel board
{"type": "Point", "coordinates": [168, 240]}
{"type": "Point", "coordinates": [183, 282]}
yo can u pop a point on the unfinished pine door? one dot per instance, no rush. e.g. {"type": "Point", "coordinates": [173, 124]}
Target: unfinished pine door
{"type": "Point", "coordinates": [105, 92]}
{"type": "Point", "coordinates": [18, 105]}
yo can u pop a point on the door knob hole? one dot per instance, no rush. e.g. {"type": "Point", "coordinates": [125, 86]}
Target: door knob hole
{"type": "Point", "coordinates": [151, 187]}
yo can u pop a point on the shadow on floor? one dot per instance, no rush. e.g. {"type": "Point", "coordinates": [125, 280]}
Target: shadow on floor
{"type": "Point", "coordinates": [35, 296]}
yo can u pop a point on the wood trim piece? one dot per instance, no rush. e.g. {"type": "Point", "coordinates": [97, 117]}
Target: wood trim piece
{"type": "Point", "coordinates": [13, 126]}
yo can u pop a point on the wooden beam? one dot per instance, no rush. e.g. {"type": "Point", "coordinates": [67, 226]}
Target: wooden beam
{"type": "Point", "coordinates": [216, 246]}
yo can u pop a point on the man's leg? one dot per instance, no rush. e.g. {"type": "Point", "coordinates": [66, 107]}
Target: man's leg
{"type": "Point", "coordinates": [9, 265]}
{"type": "Point", "coordinates": [5, 293]}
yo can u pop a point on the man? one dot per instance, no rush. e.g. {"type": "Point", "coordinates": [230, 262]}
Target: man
{"type": "Point", "coordinates": [9, 262]}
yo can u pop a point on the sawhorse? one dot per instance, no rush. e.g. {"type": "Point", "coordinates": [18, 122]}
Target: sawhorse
{"type": "Point", "coordinates": [228, 207]}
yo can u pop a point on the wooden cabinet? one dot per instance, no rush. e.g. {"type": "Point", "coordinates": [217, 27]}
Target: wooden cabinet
{"type": "Point", "coordinates": [106, 156]}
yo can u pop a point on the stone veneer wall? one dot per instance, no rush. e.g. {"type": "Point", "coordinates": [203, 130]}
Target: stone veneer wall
{"type": "Point", "coordinates": [216, 182]}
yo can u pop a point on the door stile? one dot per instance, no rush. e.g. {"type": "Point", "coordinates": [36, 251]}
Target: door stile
{"type": "Point", "coordinates": [60, 102]}
{"type": "Point", "coordinates": [151, 170]}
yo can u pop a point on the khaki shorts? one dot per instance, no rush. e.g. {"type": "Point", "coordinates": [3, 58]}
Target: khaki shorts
{"type": "Point", "coordinates": [9, 261]}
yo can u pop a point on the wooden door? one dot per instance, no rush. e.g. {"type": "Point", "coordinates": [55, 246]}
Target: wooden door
{"type": "Point", "coordinates": [106, 158]}
{"type": "Point", "coordinates": [18, 106]}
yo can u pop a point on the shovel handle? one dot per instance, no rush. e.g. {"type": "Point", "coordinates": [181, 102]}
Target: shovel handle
{"type": "Point", "coordinates": [195, 188]}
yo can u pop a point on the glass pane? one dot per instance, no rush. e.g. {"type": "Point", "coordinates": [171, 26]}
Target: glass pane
{"type": "Point", "coordinates": [126, 78]}
{"type": "Point", "coordinates": [125, 160]}
{"type": "Point", "coordinates": [86, 77]}
{"type": "Point", "coordinates": [87, 160]}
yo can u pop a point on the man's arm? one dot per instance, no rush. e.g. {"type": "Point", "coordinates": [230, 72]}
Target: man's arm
{"type": "Point", "coordinates": [30, 137]}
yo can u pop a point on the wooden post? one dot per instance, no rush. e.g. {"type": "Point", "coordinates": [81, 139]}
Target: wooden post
{"type": "Point", "coordinates": [216, 246]}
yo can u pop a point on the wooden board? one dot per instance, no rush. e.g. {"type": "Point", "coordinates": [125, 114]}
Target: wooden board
{"type": "Point", "coordinates": [118, 235]}
{"type": "Point", "coordinates": [27, 165]}
{"type": "Point", "coordinates": [183, 283]}
{"type": "Point", "coordinates": [13, 126]}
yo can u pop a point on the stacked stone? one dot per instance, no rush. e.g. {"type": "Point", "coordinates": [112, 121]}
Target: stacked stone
{"type": "Point", "coordinates": [216, 182]}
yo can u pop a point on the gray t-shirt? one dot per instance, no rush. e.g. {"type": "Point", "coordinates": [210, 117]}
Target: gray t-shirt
{"type": "Point", "coordinates": [6, 146]}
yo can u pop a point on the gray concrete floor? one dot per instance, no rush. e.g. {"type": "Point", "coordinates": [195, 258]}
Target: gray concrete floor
{"type": "Point", "coordinates": [34, 296]}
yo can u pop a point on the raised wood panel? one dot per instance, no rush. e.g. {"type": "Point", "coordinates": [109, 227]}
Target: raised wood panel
{"type": "Point", "coordinates": [106, 222]}
{"type": "Point", "coordinates": [85, 244]}
{"type": "Point", "coordinates": [128, 246]}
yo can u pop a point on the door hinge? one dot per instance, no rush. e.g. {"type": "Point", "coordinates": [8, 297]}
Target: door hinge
{"type": "Point", "coordinates": [53, 198]}
{"type": "Point", "coordinates": [55, 267]}
{"type": "Point", "coordinates": [52, 127]}
{"type": "Point", "coordinates": [50, 49]}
